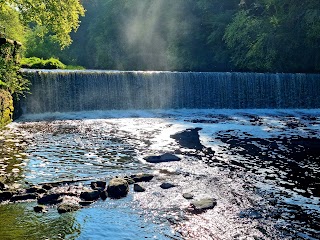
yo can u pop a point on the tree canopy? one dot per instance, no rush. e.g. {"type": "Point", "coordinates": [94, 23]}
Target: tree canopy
{"type": "Point", "coordinates": [56, 19]}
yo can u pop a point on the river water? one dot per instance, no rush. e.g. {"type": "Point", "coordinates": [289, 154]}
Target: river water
{"type": "Point", "coordinates": [265, 174]}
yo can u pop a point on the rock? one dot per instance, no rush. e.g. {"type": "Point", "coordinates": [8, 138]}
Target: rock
{"type": "Point", "coordinates": [118, 188]}
{"type": "Point", "coordinates": [2, 186]}
{"type": "Point", "coordinates": [24, 197]}
{"type": "Point", "coordinates": [142, 177]}
{"type": "Point", "coordinates": [50, 199]}
{"type": "Point", "coordinates": [6, 195]}
{"type": "Point", "coordinates": [204, 204]}
{"type": "Point", "coordinates": [36, 189]}
{"type": "Point", "coordinates": [85, 203]}
{"type": "Point", "coordinates": [167, 185]}
{"type": "Point", "coordinates": [40, 209]}
{"type": "Point", "coordinates": [68, 207]}
{"type": "Point", "coordinates": [104, 195]}
{"type": "Point", "coordinates": [187, 196]}
{"type": "Point", "coordinates": [167, 157]}
{"type": "Point", "coordinates": [47, 186]}
{"type": "Point", "coordinates": [138, 188]}
{"type": "Point", "coordinates": [90, 195]}
{"type": "Point", "coordinates": [129, 180]}
{"type": "Point", "coordinates": [189, 138]}
{"type": "Point", "coordinates": [98, 185]}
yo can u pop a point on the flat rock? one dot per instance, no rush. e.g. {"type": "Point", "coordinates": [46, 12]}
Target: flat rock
{"type": "Point", "coordinates": [90, 195]}
{"type": "Point", "coordinates": [142, 177]}
{"type": "Point", "coordinates": [117, 188]}
{"type": "Point", "coordinates": [167, 157]}
{"type": "Point", "coordinates": [166, 185]}
{"type": "Point", "coordinates": [23, 197]}
{"type": "Point", "coordinates": [50, 199]}
{"type": "Point", "coordinates": [204, 204]}
{"type": "Point", "coordinates": [138, 188]}
{"type": "Point", "coordinates": [188, 196]}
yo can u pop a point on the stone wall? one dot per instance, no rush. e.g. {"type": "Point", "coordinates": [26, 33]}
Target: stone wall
{"type": "Point", "coordinates": [6, 108]}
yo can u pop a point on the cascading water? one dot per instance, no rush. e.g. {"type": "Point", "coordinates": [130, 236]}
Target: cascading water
{"type": "Point", "coordinates": [61, 91]}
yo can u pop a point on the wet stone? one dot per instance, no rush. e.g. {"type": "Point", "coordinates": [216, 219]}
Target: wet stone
{"type": "Point", "coordinates": [85, 203]}
{"type": "Point", "coordinates": [40, 209]}
{"type": "Point", "coordinates": [104, 195]}
{"type": "Point", "coordinates": [138, 188]}
{"type": "Point", "coordinates": [188, 195]}
{"type": "Point", "coordinates": [90, 195]}
{"type": "Point", "coordinates": [142, 177]}
{"type": "Point", "coordinates": [50, 199]}
{"type": "Point", "coordinates": [129, 180]}
{"type": "Point", "coordinates": [6, 195]}
{"type": "Point", "coordinates": [98, 185]}
{"type": "Point", "coordinates": [24, 197]}
{"type": "Point", "coordinates": [167, 185]}
{"type": "Point", "coordinates": [2, 186]}
{"type": "Point", "coordinates": [118, 188]}
{"type": "Point", "coordinates": [167, 157]}
{"type": "Point", "coordinates": [204, 204]}
{"type": "Point", "coordinates": [47, 186]}
{"type": "Point", "coordinates": [250, 213]}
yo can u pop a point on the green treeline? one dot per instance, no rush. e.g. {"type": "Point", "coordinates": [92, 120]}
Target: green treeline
{"type": "Point", "coordinates": [194, 35]}
{"type": "Point", "coordinates": [182, 35]}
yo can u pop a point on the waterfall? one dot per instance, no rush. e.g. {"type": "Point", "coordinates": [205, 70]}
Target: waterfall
{"type": "Point", "coordinates": [65, 91]}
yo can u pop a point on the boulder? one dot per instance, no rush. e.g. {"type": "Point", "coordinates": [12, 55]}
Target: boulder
{"type": "Point", "coordinates": [138, 188]}
{"type": "Point", "coordinates": [118, 188]}
{"type": "Point", "coordinates": [142, 177]}
{"type": "Point", "coordinates": [68, 207]}
{"type": "Point", "coordinates": [90, 195]}
{"type": "Point", "coordinates": [23, 197]}
{"type": "Point", "coordinates": [167, 157]}
{"type": "Point", "coordinates": [40, 209]}
{"type": "Point", "coordinates": [50, 199]}
{"type": "Point", "coordinates": [203, 204]}
{"type": "Point", "coordinates": [166, 185]}
{"type": "Point", "coordinates": [189, 138]}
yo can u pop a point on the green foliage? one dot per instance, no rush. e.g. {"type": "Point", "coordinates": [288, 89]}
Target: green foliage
{"type": "Point", "coordinates": [10, 77]}
{"type": "Point", "coordinates": [38, 63]}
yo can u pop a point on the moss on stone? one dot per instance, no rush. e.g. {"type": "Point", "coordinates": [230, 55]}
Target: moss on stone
{"type": "Point", "coordinates": [6, 107]}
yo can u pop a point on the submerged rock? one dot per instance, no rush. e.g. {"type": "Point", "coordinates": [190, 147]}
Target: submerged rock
{"type": "Point", "coordinates": [167, 185]}
{"type": "Point", "coordinates": [50, 199]}
{"type": "Point", "coordinates": [90, 195]}
{"type": "Point", "coordinates": [142, 177]}
{"type": "Point", "coordinates": [167, 157]}
{"type": "Point", "coordinates": [138, 188]}
{"type": "Point", "coordinates": [118, 188]}
{"type": "Point", "coordinates": [68, 207]}
{"type": "Point", "coordinates": [203, 204]}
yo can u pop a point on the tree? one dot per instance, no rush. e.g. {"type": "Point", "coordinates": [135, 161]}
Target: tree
{"type": "Point", "coordinates": [58, 18]}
